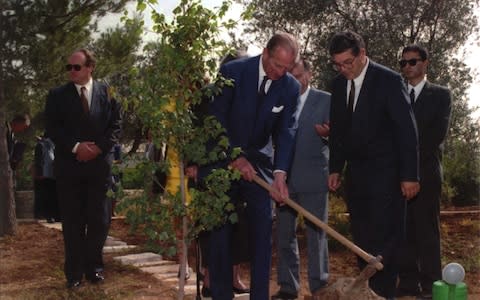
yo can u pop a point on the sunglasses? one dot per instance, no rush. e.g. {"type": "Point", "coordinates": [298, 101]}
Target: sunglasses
{"type": "Point", "coordinates": [69, 67]}
{"type": "Point", "coordinates": [412, 62]}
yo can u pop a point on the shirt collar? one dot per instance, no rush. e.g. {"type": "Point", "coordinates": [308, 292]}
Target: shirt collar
{"type": "Point", "coordinates": [418, 88]}
{"type": "Point", "coordinates": [359, 80]}
{"type": "Point", "coordinates": [88, 85]}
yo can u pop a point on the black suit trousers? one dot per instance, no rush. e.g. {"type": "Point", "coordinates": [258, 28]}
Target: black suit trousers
{"type": "Point", "coordinates": [85, 216]}
{"type": "Point", "coordinates": [421, 261]}
{"type": "Point", "coordinates": [377, 219]}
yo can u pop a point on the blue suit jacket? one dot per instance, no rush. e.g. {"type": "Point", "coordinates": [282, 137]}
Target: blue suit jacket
{"type": "Point", "coordinates": [236, 109]}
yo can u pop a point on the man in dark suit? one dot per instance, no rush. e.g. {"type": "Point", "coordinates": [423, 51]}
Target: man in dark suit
{"type": "Point", "coordinates": [373, 132]}
{"type": "Point", "coordinates": [307, 185]}
{"type": "Point", "coordinates": [15, 148]}
{"type": "Point", "coordinates": [84, 123]}
{"type": "Point", "coordinates": [261, 104]}
{"type": "Point", "coordinates": [420, 261]}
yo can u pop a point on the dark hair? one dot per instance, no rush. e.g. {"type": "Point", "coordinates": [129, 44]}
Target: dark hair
{"type": "Point", "coordinates": [90, 59]}
{"type": "Point", "coordinates": [345, 40]}
{"type": "Point", "coordinates": [416, 48]}
{"type": "Point", "coordinates": [284, 40]}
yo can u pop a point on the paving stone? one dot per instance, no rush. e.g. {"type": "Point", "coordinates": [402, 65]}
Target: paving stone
{"type": "Point", "coordinates": [167, 268]}
{"type": "Point", "coordinates": [139, 258]}
{"type": "Point", "coordinates": [111, 241]}
{"type": "Point", "coordinates": [115, 249]}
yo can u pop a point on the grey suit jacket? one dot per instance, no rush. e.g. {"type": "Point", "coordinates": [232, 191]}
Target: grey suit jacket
{"type": "Point", "coordinates": [309, 170]}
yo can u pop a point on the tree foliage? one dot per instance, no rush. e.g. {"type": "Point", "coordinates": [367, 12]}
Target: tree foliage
{"type": "Point", "coordinates": [37, 37]}
{"type": "Point", "coordinates": [171, 79]}
{"type": "Point", "coordinates": [442, 26]}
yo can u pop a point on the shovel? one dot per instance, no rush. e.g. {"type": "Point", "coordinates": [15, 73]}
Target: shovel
{"type": "Point", "coordinates": [351, 290]}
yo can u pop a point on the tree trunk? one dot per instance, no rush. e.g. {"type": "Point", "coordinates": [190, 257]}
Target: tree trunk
{"type": "Point", "coordinates": [8, 222]}
{"type": "Point", "coordinates": [184, 254]}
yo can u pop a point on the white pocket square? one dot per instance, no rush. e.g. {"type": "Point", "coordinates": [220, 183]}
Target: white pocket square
{"type": "Point", "coordinates": [277, 109]}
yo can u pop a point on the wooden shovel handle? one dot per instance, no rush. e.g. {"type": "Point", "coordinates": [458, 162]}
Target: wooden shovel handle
{"type": "Point", "coordinates": [329, 230]}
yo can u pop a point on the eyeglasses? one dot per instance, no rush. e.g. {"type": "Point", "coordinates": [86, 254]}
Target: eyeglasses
{"type": "Point", "coordinates": [69, 67]}
{"type": "Point", "coordinates": [412, 62]}
{"type": "Point", "coordinates": [347, 64]}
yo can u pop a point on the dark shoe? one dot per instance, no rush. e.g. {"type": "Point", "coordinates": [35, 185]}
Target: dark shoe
{"type": "Point", "coordinates": [96, 277]}
{"type": "Point", "coordinates": [206, 292]}
{"type": "Point", "coordinates": [50, 220]}
{"type": "Point", "coordinates": [73, 284]}
{"type": "Point", "coordinates": [426, 295]}
{"type": "Point", "coordinates": [280, 295]}
{"type": "Point", "coordinates": [240, 291]}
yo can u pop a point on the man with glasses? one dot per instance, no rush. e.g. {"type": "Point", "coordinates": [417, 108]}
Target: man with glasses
{"type": "Point", "coordinates": [373, 134]}
{"type": "Point", "coordinates": [84, 122]}
{"type": "Point", "coordinates": [420, 260]}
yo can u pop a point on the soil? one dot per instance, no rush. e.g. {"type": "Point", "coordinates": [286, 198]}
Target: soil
{"type": "Point", "coordinates": [31, 263]}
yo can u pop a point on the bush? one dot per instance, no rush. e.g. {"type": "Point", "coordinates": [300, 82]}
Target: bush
{"type": "Point", "coordinates": [132, 178]}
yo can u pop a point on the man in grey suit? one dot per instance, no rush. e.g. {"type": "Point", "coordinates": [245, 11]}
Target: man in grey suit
{"type": "Point", "coordinates": [420, 262]}
{"type": "Point", "coordinates": [308, 187]}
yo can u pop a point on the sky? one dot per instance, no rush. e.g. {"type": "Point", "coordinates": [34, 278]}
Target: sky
{"type": "Point", "coordinates": [471, 49]}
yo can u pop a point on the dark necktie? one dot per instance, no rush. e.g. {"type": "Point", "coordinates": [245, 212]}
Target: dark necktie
{"type": "Point", "coordinates": [412, 98]}
{"type": "Point", "coordinates": [83, 99]}
{"type": "Point", "coordinates": [351, 99]}
{"type": "Point", "coordinates": [261, 90]}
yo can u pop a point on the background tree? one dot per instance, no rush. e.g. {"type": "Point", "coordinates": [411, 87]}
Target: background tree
{"type": "Point", "coordinates": [442, 26]}
{"type": "Point", "coordinates": [36, 38]}
{"type": "Point", "coordinates": [171, 79]}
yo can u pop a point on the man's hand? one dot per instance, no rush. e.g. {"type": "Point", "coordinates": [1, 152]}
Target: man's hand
{"type": "Point", "coordinates": [280, 184]}
{"type": "Point", "coordinates": [245, 168]}
{"type": "Point", "coordinates": [323, 130]}
{"type": "Point", "coordinates": [87, 151]}
{"type": "Point", "coordinates": [409, 189]}
{"type": "Point", "coordinates": [334, 181]}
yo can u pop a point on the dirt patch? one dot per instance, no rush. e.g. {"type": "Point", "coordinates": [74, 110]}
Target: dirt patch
{"type": "Point", "coordinates": [31, 263]}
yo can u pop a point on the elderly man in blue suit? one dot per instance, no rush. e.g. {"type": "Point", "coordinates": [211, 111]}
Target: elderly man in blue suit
{"type": "Point", "coordinates": [372, 132]}
{"type": "Point", "coordinates": [261, 104]}
{"type": "Point", "coordinates": [307, 185]}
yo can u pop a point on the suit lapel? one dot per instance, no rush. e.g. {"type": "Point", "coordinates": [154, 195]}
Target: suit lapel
{"type": "Point", "coordinates": [420, 103]}
{"type": "Point", "coordinates": [308, 108]}
{"type": "Point", "coordinates": [74, 97]}
{"type": "Point", "coordinates": [94, 104]}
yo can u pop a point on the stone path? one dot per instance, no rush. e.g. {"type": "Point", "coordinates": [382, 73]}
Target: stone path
{"type": "Point", "coordinates": [164, 270]}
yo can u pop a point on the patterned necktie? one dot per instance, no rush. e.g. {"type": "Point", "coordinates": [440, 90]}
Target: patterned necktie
{"type": "Point", "coordinates": [412, 98]}
{"type": "Point", "coordinates": [261, 90]}
{"type": "Point", "coordinates": [83, 99]}
{"type": "Point", "coordinates": [351, 99]}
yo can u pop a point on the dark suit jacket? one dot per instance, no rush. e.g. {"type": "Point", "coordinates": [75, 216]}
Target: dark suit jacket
{"type": "Point", "coordinates": [67, 124]}
{"type": "Point", "coordinates": [383, 132]}
{"type": "Point", "coordinates": [309, 169]}
{"type": "Point", "coordinates": [432, 113]}
{"type": "Point", "coordinates": [235, 108]}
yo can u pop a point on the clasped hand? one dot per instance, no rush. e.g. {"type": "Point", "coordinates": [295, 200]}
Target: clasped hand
{"type": "Point", "coordinates": [87, 151]}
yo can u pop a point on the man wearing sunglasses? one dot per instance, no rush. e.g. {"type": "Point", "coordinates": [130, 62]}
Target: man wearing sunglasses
{"type": "Point", "coordinates": [420, 263]}
{"type": "Point", "coordinates": [84, 123]}
{"type": "Point", "coordinates": [373, 133]}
